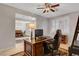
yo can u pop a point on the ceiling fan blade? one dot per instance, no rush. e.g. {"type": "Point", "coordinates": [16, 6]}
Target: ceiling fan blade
{"type": "Point", "coordinates": [47, 10]}
{"type": "Point", "coordinates": [44, 11]}
{"type": "Point", "coordinates": [55, 5]}
{"type": "Point", "coordinates": [52, 10]}
{"type": "Point", "coordinates": [40, 8]}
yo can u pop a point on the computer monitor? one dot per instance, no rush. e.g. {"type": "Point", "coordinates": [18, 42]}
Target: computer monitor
{"type": "Point", "coordinates": [38, 32]}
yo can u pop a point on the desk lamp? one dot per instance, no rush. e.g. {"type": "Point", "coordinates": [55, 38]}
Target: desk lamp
{"type": "Point", "coordinates": [31, 26]}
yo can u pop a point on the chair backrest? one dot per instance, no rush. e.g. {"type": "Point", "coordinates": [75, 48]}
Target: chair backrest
{"type": "Point", "coordinates": [56, 42]}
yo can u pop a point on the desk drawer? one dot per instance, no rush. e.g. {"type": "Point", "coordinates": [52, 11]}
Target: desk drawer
{"type": "Point", "coordinates": [39, 50]}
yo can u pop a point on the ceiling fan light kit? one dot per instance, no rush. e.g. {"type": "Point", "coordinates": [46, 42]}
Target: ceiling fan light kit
{"type": "Point", "coordinates": [49, 7]}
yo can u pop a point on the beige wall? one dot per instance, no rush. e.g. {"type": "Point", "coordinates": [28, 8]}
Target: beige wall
{"type": "Point", "coordinates": [7, 27]}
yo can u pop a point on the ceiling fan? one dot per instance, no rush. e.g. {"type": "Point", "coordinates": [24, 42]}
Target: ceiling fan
{"type": "Point", "coordinates": [49, 7]}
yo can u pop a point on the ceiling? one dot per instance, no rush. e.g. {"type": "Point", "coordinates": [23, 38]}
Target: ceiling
{"type": "Point", "coordinates": [64, 8]}
{"type": "Point", "coordinates": [24, 17]}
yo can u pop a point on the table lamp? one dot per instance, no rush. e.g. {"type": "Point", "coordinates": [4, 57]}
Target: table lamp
{"type": "Point", "coordinates": [32, 26]}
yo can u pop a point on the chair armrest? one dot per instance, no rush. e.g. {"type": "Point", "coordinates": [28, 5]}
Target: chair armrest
{"type": "Point", "coordinates": [49, 42]}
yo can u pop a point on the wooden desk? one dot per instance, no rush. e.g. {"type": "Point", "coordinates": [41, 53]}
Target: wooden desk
{"type": "Point", "coordinates": [34, 48]}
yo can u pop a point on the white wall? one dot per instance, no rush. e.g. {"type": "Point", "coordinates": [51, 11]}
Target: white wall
{"type": "Point", "coordinates": [66, 23]}
{"type": "Point", "coordinates": [7, 27]}
{"type": "Point", "coordinates": [42, 24]}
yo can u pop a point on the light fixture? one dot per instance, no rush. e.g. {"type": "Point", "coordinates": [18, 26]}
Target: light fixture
{"type": "Point", "coordinates": [49, 7]}
{"type": "Point", "coordinates": [31, 26]}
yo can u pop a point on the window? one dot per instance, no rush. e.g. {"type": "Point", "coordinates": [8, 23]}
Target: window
{"type": "Point", "coordinates": [61, 23]}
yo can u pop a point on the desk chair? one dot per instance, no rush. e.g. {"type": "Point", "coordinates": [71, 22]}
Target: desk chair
{"type": "Point", "coordinates": [54, 44]}
{"type": "Point", "coordinates": [53, 47]}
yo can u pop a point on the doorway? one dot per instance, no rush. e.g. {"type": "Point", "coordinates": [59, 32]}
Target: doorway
{"type": "Point", "coordinates": [22, 30]}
